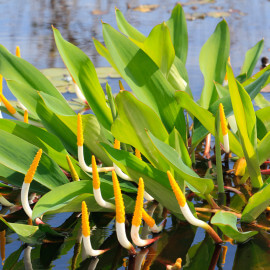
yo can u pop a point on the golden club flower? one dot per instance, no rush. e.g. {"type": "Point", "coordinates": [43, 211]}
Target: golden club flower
{"type": "Point", "coordinates": [73, 172]}
{"type": "Point", "coordinates": [137, 218]}
{"type": "Point", "coordinates": [120, 216]}
{"type": "Point", "coordinates": [186, 211]}
{"type": "Point", "coordinates": [86, 234]}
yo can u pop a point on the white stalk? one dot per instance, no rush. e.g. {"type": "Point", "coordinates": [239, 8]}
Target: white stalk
{"type": "Point", "coordinates": [147, 196]}
{"type": "Point", "coordinates": [79, 93]}
{"type": "Point", "coordinates": [24, 199]}
{"type": "Point", "coordinates": [137, 239]}
{"type": "Point", "coordinates": [5, 202]}
{"type": "Point", "coordinates": [81, 160]}
{"type": "Point", "coordinates": [120, 173]}
{"type": "Point", "coordinates": [27, 258]}
{"type": "Point", "coordinates": [157, 229]}
{"type": "Point", "coordinates": [226, 143]}
{"type": "Point", "coordinates": [121, 235]}
{"type": "Point", "coordinates": [88, 247]}
{"type": "Point", "coordinates": [100, 200]}
{"type": "Point", "coordinates": [191, 219]}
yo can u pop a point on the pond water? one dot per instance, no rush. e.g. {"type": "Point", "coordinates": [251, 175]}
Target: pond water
{"type": "Point", "coordinates": [28, 24]}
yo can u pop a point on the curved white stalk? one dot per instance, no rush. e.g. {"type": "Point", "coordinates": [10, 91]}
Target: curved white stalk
{"type": "Point", "coordinates": [5, 202]}
{"type": "Point", "coordinates": [24, 199]}
{"type": "Point", "coordinates": [81, 160]}
{"type": "Point", "coordinates": [27, 258]}
{"type": "Point", "coordinates": [226, 143]}
{"type": "Point", "coordinates": [157, 229]}
{"type": "Point", "coordinates": [88, 247]}
{"type": "Point", "coordinates": [137, 239]}
{"type": "Point", "coordinates": [147, 196]}
{"type": "Point", "coordinates": [79, 93]}
{"type": "Point", "coordinates": [99, 199]}
{"type": "Point", "coordinates": [122, 237]}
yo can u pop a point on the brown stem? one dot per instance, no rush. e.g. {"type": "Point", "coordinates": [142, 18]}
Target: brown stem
{"type": "Point", "coordinates": [213, 234]}
{"type": "Point", "coordinates": [200, 209]}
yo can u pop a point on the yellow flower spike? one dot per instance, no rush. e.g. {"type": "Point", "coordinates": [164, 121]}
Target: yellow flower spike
{"type": "Point", "coordinates": [73, 172]}
{"type": "Point", "coordinates": [18, 51]}
{"type": "Point", "coordinates": [3, 245]}
{"type": "Point", "coordinates": [119, 203]}
{"type": "Point", "coordinates": [137, 217]}
{"type": "Point", "coordinates": [25, 117]}
{"type": "Point", "coordinates": [85, 220]}
{"type": "Point", "coordinates": [33, 167]}
{"type": "Point", "coordinates": [96, 181]}
{"type": "Point", "coordinates": [177, 191]}
{"type": "Point", "coordinates": [1, 84]}
{"type": "Point", "coordinates": [240, 167]}
{"type": "Point", "coordinates": [9, 107]}
{"type": "Point", "coordinates": [148, 219]}
{"type": "Point", "coordinates": [116, 144]}
{"type": "Point", "coordinates": [79, 131]}
{"type": "Point", "coordinates": [223, 120]}
{"type": "Point", "coordinates": [138, 154]}
{"type": "Point", "coordinates": [121, 86]}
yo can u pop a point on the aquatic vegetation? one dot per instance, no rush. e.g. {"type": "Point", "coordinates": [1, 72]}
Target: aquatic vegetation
{"type": "Point", "coordinates": [152, 136]}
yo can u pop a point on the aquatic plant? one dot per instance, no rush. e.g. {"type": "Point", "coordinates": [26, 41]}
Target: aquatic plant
{"type": "Point", "coordinates": [143, 134]}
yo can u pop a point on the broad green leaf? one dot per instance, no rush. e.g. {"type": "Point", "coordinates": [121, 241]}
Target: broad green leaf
{"type": "Point", "coordinates": [69, 197]}
{"type": "Point", "coordinates": [103, 51]}
{"type": "Point", "coordinates": [147, 80]}
{"type": "Point", "coordinates": [226, 222]}
{"type": "Point", "coordinates": [134, 117]}
{"type": "Point", "coordinates": [213, 58]}
{"type": "Point", "coordinates": [49, 143]}
{"type": "Point", "coordinates": [251, 58]}
{"type": "Point", "coordinates": [261, 101]}
{"type": "Point", "coordinates": [207, 120]}
{"type": "Point", "coordinates": [13, 259]}
{"type": "Point", "coordinates": [246, 122]}
{"type": "Point", "coordinates": [263, 148]}
{"type": "Point", "coordinates": [203, 185]}
{"type": "Point", "coordinates": [17, 154]}
{"type": "Point", "coordinates": [176, 142]}
{"type": "Point", "coordinates": [16, 179]}
{"type": "Point", "coordinates": [84, 74]}
{"type": "Point", "coordinates": [17, 69]}
{"type": "Point", "coordinates": [256, 205]}
{"type": "Point", "coordinates": [21, 229]}
{"type": "Point", "coordinates": [156, 182]}
{"type": "Point", "coordinates": [126, 28]}
{"type": "Point", "coordinates": [65, 128]}
{"type": "Point", "coordinates": [263, 121]}
{"type": "Point", "coordinates": [158, 45]}
{"type": "Point", "coordinates": [178, 30]}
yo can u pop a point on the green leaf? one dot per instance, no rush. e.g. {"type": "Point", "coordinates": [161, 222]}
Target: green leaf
{"type": "Point", "coordinates": [226, 222]}
{"type": "Point", "coordinates": [147, 81]}
{"type": "Point", "coordinates": [65, 128]}
{"type": "Point", "coordinates": [21, 229]}
{"type": "Point", "coordinates": [246, 122]}
{"type": "Point", "coordinates": [203, 185]}
{"type": "Point", "coordinates": [18, 70]}
{"type": "Point", "coordinates": [207, 120]}
{"type": "Point", "coordinates": [49, 143]}
{"type": "Point", "coordinates": [69, 197]}
{"type": "Point", "coordinates": [84, 74]}
{"type": "Point", "coordinates": [251, 58]}
{"type": "Point", "coordinates": [263, 121]}
{"type": "Point", "coordinates": [16, 179]}
{"type": "Point", "coordinates": [213, 58]}
{"type": "Point", "coordinates": [158, 45]}
{"type": "Point", "coordinates": [156, 182]}
{"type": "Point", "coordinates": [263, 148]}
{"type": "Point", "coordinates": [256, 204]}
{"type": "Point", "coordinates": [126, 28]}
{"type": "Point", "coordinates": [132, 120]}
{"type": "Point", "coordinates": [17, 154]}
{"type": "Point", "coordinates": [176, 142]}
{"type": "Point", "coordinates": [261, 101]}
{"type": "Point", "coordinates": [178, 29]}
